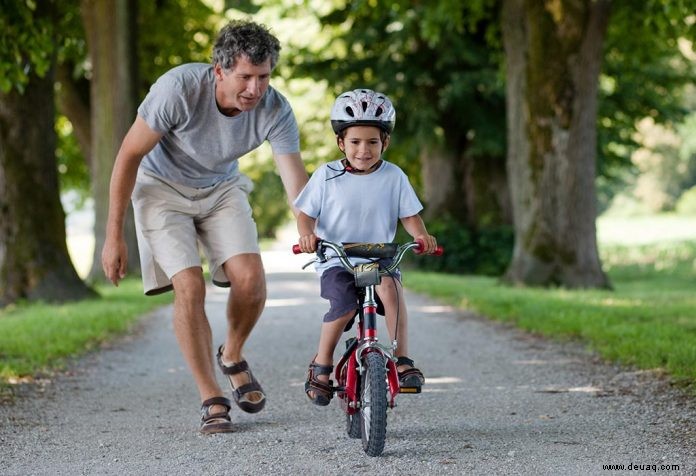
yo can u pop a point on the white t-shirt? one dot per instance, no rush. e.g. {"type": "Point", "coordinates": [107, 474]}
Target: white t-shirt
{"type": "Point", "coordinates": [200, 145]}
{"type": "Point", "coordinates": [355, 208]}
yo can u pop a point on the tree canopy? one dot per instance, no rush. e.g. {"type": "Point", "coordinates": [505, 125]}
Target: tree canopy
{"type": "Point", "coordinates": [442, 62]}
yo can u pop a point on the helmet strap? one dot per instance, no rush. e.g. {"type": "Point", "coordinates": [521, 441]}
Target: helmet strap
{"type": "Point", "coordinates": [350, 169]}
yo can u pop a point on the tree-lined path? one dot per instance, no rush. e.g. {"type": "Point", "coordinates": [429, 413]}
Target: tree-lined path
{"type": "Point", "coordinates": [496, 402]}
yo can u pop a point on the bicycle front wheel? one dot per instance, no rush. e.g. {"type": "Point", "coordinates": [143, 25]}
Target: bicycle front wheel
{"type": "Point", "coordinates": [373, 405]}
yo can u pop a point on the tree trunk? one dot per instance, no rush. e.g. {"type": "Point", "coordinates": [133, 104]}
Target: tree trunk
{"type": "Point", "coordinates": [441, 174]}
{"type": "Point", "coordinates": [472, 191]}
{"type": "Point", "coordinates": [553, 52]}
{"type": "Point", "coordinates": [110, 27]}
{"type": "Point", "coordinates": [34, 260]}
{"type": "Point", "coordinates": [73, 102]}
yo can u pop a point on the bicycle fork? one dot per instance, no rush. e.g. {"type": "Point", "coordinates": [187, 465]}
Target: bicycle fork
{"type": "Point", "coordinates": [368, 331]}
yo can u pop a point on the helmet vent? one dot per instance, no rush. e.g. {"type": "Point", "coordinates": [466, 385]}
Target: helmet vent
{"type": "Point", "coordinates": [350, 112]}
{"type": "Point", "coordinates": [364, 106]}
{"type": "Point", "coordinates": [379, 111]}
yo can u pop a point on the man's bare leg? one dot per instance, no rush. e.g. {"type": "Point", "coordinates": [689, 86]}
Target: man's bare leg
{"type": "Point", "coordinates": [244, 306]}
{"type": "Point", "coordinates": [193, 333]}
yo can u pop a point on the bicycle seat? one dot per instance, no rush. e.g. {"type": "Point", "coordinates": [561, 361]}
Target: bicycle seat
{"type": "Point", "coordinates": [371, 250]}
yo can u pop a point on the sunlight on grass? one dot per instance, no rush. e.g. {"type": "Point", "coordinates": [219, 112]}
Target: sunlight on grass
{"type": "Point", "coordinates": [39, 337]}
{"type": "Point", "coordinates": [641, 230]}
{"type": "Point", "coordinates": [648, 320]}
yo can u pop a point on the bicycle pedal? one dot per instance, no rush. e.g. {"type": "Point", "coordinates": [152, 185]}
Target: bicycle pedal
{"type": "Point", "coordinates": [410, 390]}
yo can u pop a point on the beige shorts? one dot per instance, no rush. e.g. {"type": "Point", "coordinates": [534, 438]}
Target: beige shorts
{"type": "Point", "coordinates": [171, 221]}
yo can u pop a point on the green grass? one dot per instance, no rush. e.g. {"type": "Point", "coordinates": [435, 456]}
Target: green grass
{"type": "Point", "coordinates": [38, 338]}
{"type": "Point", "coordinates": [647, 321]}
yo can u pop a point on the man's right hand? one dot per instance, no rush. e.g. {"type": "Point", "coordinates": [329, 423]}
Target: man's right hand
{"type": "Point", "coordinates": [115, 259]}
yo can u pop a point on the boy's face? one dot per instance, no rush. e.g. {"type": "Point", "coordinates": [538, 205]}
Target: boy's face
{"type": "Point", "coordinates": [241, 88]}
{"type": "Point", "coordinates": [363, 146]}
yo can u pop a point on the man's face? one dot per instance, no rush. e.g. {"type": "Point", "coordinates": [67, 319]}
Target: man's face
{"type": "Point", "coordinates": [241, 88]}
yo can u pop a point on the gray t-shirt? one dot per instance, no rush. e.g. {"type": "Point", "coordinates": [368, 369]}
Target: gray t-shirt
{"type": "Point", "coordinates": [352, 208]}
{"type": "Point", "coordinates": [200, 145]}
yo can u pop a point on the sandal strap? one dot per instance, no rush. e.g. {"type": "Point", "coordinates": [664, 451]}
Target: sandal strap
{"type": "Point", "coordinates": [321, 387]}
{"type": "Point", "coordinates": [410, 372]}
{"type": "Point", "coordinates": [321, 369]}
{"type": "Point", "coordinates": [236, 368]}
{"type": "Point", "coordinates": [326, 390]}
{"type": "Point", "coordinates": [225, 402]}
{"type": "Point", "coordinates": [402, 360]}
{"type": "Point", "coordinates": [247, 388]}
{"type": "Point", "coordinates": [206, 416]}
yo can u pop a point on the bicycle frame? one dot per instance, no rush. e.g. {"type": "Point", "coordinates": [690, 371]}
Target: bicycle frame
{"type": "Point", "coordinates": [349, 367]}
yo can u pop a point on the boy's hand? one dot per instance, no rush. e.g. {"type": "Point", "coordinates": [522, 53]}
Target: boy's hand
{"type": "Point", "coordinates": [429, 243]}
{"type": "Point", "coordinates": [308, 243]}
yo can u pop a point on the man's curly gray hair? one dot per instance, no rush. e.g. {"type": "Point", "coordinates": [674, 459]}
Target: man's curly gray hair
{"type": "Point", "coordinates": [245, 38]}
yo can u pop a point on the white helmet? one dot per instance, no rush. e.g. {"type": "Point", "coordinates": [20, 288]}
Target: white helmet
{"type": "Point", "coordinates": [363, 107]}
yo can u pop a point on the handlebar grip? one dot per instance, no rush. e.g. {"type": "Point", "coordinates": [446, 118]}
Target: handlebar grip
{"type": "Point", "coordinates": [296, 249]}
{"type": "Point", "coordinates": [439, 250]}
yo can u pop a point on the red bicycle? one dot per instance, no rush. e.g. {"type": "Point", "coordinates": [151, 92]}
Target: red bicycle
{"type": "Point", "coordinates": [366, 375]}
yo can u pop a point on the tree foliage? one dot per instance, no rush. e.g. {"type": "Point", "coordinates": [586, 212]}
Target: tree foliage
{"type": "Point", "coordinates": [440, 64]}
{"type": "Point", "coordinates": [432, 58]}
{"type": "Point", "coordinates": [26, 44]}
{"type": "Point", "coordinates": [645, 74]}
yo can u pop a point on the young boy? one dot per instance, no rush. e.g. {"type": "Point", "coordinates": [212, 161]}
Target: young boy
{"type": "Point", "coordinates": [359, 198]}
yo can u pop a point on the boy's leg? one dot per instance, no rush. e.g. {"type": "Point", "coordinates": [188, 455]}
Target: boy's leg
{"type": "Point", "coordinates": [337, 286]}
{"type": "Point", "coordinates": [391, 293]}
{"type": "Point", "coordinates": [328, 339]}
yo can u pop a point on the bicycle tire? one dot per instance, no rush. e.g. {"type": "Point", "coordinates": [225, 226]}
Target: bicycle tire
{"type": "Point", "coordinates": [373, 404]}
{"type": "Point", "coordinates": [353, 425]}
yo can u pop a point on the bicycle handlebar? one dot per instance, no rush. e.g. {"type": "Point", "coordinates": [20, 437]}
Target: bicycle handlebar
{"type": "Point", "coordinates": [417, 247]}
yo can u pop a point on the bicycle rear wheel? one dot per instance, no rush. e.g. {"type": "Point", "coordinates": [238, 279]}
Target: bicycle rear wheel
{"type": "Point", "coordinates": [373, 408]}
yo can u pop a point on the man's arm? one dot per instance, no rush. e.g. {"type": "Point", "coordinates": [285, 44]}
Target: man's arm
{"type": "Point", "coordinates": [139, 140]}
{"type": "Point", "coordinates": [293, 174]}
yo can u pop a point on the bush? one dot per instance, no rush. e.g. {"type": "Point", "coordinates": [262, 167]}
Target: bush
{"type": "Point", "coordinates": [483, 252]}
{"type": "Point", "coordinates": [686, 205]}
{"type": "Point", "coordinates": [268, 200]}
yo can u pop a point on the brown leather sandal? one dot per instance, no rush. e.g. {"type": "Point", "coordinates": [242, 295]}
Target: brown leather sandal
{"type": "Point", "coordinates": [218, 422]}
{"type": "Point", "coordinates": [240, 394]}
{"type": "Point", "coordinates": [323, 392]}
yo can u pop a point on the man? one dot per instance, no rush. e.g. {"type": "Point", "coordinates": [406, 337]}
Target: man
{"type": "Point", "coordinates": [178, 161]}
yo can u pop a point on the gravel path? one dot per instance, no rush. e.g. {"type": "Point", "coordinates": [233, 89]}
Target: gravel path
{"type": "Point", "coordinates": [497, 401]}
